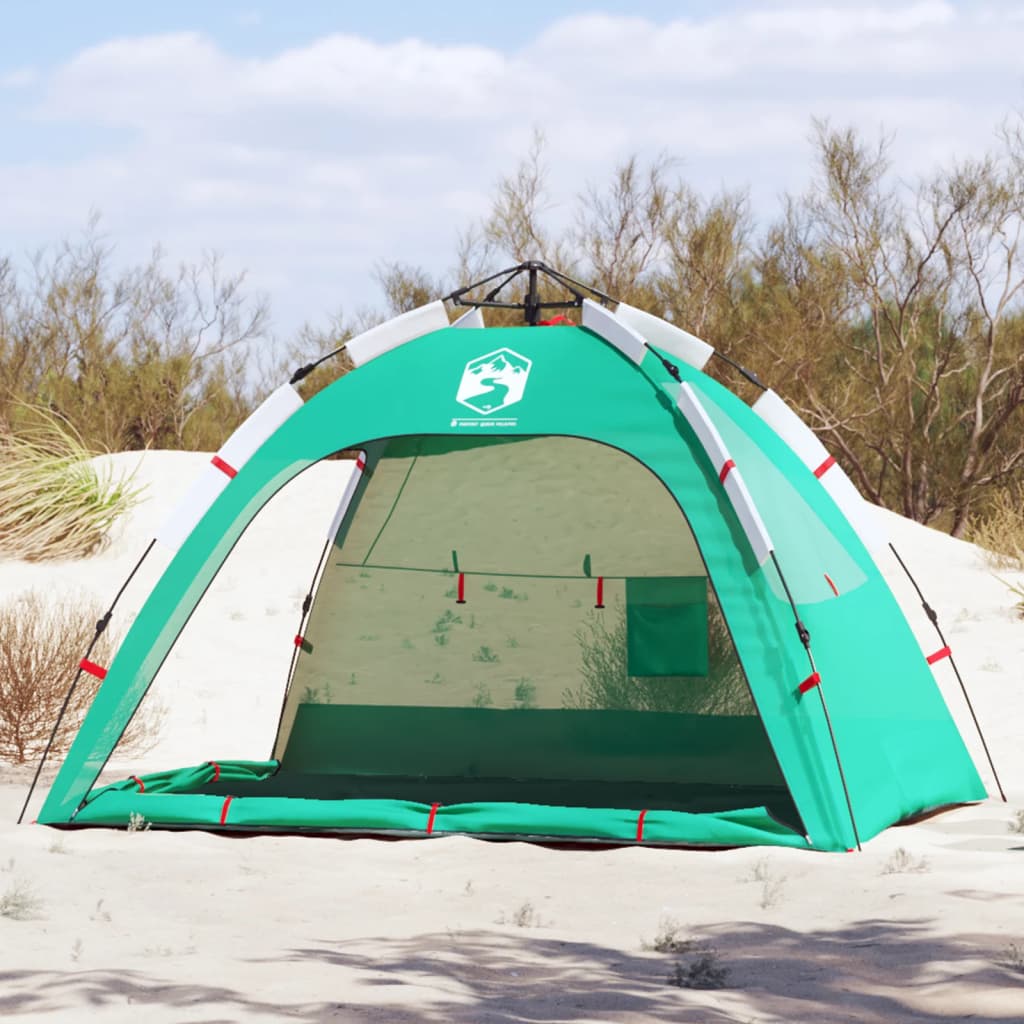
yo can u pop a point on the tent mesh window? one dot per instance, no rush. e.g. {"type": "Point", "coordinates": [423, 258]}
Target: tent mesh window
{"type": "Point", "coordinates": [587, 663]}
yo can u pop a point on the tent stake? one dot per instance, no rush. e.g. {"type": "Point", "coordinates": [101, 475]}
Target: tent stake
{"type": "Point", "coordinates": [100, 627]}
{"type": "Point", "coordinates": [934, 619]}
{"type": "Point", "coordinates": [805, 639]}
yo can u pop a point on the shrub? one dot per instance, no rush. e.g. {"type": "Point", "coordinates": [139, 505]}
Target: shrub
{"type": "Point", "coordinates": [41, 643]}
{"type": "Point", "coordinates": [56, 501]}
{"type": "Point", "coordinates": [669, 938]}
{"type": "Point", "coordinates": [703, 971]}
{"type": "Point", "coordinates": [1001, 532]}
{"type": "Point", "coordinates": [1012, 958]}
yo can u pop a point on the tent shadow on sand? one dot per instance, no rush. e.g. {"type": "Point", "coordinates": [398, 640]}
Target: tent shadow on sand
{"type": "Point", "coordinates": [869, 973]}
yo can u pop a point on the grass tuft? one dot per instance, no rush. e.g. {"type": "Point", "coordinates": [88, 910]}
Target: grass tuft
{"type": "Point", "coordinates": [55, 501]}
{"type": "Point", "coordinates": [19, 902]}
{"type": "Point", "coordinates": [668, 938]}
{"type": "Point", "coordinates": [902, 862]}
{"type": "Point", "coordinates": [137, 822]}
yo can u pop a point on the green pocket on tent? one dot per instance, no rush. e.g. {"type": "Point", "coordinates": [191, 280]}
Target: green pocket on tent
{"type": "Point", "coordinates": [667, 626]}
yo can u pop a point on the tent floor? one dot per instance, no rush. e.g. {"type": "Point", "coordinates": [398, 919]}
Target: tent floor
{"type": "Point", "coordinates": [694, 799]}
{"type": "Point", "coordinates": [261, 796]}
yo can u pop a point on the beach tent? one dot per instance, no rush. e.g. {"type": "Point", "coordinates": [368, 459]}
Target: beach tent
{"type": "Point", "coordinates": [575, 590]}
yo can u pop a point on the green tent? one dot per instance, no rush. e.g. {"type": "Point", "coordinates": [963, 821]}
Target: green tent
{"type": "Point", "coordinates": [575, 590]}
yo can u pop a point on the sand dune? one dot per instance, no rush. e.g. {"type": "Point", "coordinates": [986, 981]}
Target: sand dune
{"type": "Point", "coordinates": [921, 926]}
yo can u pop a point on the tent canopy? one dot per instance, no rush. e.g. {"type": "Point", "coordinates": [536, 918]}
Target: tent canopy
{"type": "Point", "coordinates": [545, 613]}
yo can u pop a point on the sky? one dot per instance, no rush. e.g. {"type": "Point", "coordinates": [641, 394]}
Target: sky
{"type": "Point", "coordinates": [310, 143]}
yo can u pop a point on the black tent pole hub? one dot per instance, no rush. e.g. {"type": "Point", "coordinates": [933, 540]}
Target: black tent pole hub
{"type": "Point", "coordinates": [532, 305]}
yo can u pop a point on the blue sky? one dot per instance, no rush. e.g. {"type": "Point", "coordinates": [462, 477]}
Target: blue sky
{"type": "Point", "coordinates": [310, 142]}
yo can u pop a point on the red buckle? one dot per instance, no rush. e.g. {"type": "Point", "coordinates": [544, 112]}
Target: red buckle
{"type": "Point", "coordinates": [640, 826]}
{"type": "Point", "coordinates": [825, 467]}
{"type": "Point", "coordinates": [93, 669]}
{"type": "Point", "coordinates": [813, 680]}
{"type": "Point", "coordinates": [226, 468]}
{"type": "Point", "coordinates": [430, 819]}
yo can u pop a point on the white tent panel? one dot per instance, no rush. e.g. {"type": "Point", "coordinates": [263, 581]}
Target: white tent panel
{"type": "Point", "coordinates": [392, 333]}
{"type": "Point", "coordinates": [684, 346]}
{"type": "Point", "coordinates": [605, 324]}
{"type": "Point", "coordinates": [234, 454]}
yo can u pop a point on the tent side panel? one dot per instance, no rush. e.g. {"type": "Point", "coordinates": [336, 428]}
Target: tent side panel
{"type": "Point", "coordinates": [901, 750]}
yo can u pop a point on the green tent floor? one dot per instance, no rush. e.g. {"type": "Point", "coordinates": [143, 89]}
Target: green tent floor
{"type": "Point", "coordinates": [254, 796]}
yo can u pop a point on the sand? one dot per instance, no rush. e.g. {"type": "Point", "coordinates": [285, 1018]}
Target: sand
{"type": "Point", "coordinates": [179, 927]}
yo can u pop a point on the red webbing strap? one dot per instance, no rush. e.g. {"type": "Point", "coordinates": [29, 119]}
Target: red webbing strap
{"type": "Point", "coordinates": [727, 467]}
{"type": "Point", "coordinates": [299, 640]}
{"type": "Point", "coordinates": [640, 826]}
{"type": "Point", "coordinates": [462, 589]}
{"type": "Point", "coordinates": [430, 819]}
{"type": "Point", "coordinates": [825, 467]}
{"type": "Point", "coordinates": [216, 771]}
{"type": "Point", "coordinates": [828, 580]}
{"type": "Point", "coordinates": [224, 809]}
{"type": "Point", "coordinates": [138, 782]}
{"type": "Point", "coordinates": [93, 669]}
{"type": "Point", "coordinates": [360, 462]}
{"type": "Point", "coordinates": [600, 592]}
{"type": "Point", "coordinates": [227, 469]}
{"type": "Point", "coordinates": [939, 655]}
{"type": "Point", "coordinates": [813, 680]}
{"type": "Point", "coordinates": [554, 321]}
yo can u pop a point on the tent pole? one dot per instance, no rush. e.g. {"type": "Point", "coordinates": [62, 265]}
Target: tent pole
{"type": "Point", "coordinates": [307, 603]}
{"type": "Point", "coordinates": [934, 619]}
{"type": "Point", "coordinates": [805, 639]}
{"type": "Point", "coordinates": [100, 627]}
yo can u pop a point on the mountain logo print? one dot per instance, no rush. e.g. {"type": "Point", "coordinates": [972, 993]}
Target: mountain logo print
{"type": "Point", "coordinates": [493, 382]}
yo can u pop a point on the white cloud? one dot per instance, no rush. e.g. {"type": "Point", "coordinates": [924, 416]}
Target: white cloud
{"type": "Point", "coordinates": [18, 78]}
{"type": "Point", "coordinates": [314, 163]}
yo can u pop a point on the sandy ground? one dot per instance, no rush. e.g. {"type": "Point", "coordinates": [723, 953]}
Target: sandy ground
{"type": "Point", "coordinates": [176, 927]}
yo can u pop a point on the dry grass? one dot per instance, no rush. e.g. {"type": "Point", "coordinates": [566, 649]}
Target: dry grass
{"type": "Point", "coordinates": [1001, 533]}
{"type": "Point", "coordinates": [669, 938]}
{"type": "Point", "coordinates": [1017, 591]}
{"type": "Point", "coordinates": [902, 862]}
{"type": "Point", "coordinates": [54, 500]}
{"type": "Point", "coordinates": [41, 643]}
{"type": "Point", "coordinates": [19, 902]}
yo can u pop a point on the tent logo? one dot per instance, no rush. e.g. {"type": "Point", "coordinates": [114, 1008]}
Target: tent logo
{"type": "Point", "coordinates": [493, 382]}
